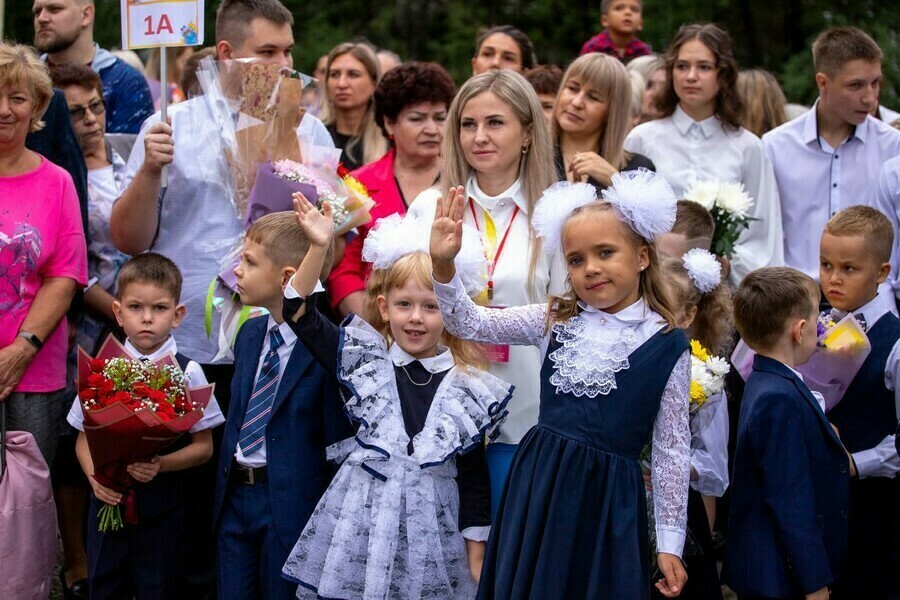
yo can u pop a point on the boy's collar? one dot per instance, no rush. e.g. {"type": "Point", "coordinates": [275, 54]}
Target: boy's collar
{"type": "Point", "coordinates": [168, 347]}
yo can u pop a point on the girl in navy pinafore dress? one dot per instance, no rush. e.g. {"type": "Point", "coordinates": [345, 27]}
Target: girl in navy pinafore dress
{"type": "Point", "coordinates": [573, 521]}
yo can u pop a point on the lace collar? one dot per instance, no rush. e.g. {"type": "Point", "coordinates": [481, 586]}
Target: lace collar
{"type": "Point", "coordinates": [442, 361]}
{"type": "Point", "coordinates": [593, 347]}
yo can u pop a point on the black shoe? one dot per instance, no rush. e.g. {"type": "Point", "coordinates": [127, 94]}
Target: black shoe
{"type": "Point", "coordinates": [77, 591]}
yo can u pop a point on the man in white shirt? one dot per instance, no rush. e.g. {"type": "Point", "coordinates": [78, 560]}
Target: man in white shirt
{"type": "Point", "coordinates": [194, 221]}
{"type": "Point", "coordinates": [829, 158]}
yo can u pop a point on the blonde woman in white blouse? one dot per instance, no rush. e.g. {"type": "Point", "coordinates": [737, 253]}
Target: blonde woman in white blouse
{"type": "Point", "coordinates": [700, 138]}
{"type": "Point", "coordinates": [497, 144]}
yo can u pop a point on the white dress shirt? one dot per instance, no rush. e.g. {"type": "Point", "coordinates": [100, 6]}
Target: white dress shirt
{"type": "Point", "coordinates": [685, 151]}
{"type": "Point", "coordinates": [194, 377]}
{"type": "Point", "coordinates": [816, 181]}
{"type": "Point", "coordinates": [882, 460]}
{"type": "Point", "coordinates": [258, 458]}
{"type": "Point", "coordinates": [198, 221]}
{"type": "Point", "coordinates": [511, 289]}
{"type": "Point", "coordinates": [888, 202]}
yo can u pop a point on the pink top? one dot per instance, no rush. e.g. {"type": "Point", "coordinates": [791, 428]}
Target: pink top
{"type": "Point", "coordinates": [351, 273]}
{"type": "Point", "coordinates": [41, 236]}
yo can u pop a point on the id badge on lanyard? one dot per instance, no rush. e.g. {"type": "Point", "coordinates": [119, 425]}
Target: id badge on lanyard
{"type": "Point", "coordinates": [495, 353]}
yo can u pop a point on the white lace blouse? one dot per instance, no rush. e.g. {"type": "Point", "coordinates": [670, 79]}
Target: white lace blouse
{"type": "Point", "coordinates": [594, 346]}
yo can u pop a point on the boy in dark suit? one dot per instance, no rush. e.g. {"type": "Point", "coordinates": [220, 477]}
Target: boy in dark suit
{"type": "Point", "coordinates": [285, 410]}
{"type": "Point", "coordinates": [855, 260]}
{"type": "Point", "coordinates": [790, 487]}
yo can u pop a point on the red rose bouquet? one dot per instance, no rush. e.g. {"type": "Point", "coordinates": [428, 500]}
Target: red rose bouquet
{"type": "Point", "coordinates": [132, 410]}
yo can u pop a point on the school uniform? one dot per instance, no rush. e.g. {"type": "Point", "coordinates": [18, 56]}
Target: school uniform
{"type": "Point", "coordinates": [147, 560]}
{"type": "Point", "coordinates": [268, 486]}
{"type": "Point", "coordinates": [867, 420]}
{"type": "Point", "coordinates": [787, 532]}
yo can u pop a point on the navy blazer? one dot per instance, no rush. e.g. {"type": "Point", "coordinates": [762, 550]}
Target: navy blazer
{"type": "Point", "coordinates": [787, 527]}
{"type": "Point", "coordinates": [307, 416]}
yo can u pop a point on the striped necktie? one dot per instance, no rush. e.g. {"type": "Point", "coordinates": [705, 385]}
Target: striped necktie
{"type": "Point", "coordinates": [253, 432]}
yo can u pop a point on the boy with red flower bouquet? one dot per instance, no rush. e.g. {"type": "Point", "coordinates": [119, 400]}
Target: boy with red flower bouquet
{"type": "Point", "coordinates": [146, 559]}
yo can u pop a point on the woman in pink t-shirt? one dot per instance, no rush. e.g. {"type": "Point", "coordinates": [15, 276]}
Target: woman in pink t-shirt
{"type": "Point", "coordinates": [43, 258]}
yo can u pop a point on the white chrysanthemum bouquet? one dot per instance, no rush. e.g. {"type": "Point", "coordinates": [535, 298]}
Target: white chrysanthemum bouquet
{"type": "Point", "coordinates": [730, 207]}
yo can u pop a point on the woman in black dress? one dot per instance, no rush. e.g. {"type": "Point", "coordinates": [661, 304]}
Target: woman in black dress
{"type": "Point", "coordinates": [591, 119]}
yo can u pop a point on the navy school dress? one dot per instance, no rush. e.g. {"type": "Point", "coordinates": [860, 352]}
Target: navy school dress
{"type": "Point", "coordinates": [573, 518]}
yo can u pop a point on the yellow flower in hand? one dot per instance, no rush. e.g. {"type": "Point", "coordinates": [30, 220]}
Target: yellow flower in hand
{"type": "Point", "coordinates": [698, 396]}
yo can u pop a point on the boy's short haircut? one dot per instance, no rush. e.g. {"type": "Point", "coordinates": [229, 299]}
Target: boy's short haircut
{"type": "Point", "coordinates": [545, 79]}
{"type": "Point", "coordinates": [605, 5]}
{"type": "Point", "coordinates": [233, 18]}
{"type": "Point", "coordinates": [768, 299]}
{"type": "Point", "coordinates": [151, 268]}
{"type": "Point", "coordinates": [693, 221]}
{"type": "Point", "coordinates": [869, 223]}
{"type": "Point", "coordinates": [837, 46]}
{"type": "Point", "coordinates": [283, 240]}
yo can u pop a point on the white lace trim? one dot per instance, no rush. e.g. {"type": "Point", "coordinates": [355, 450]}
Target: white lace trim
{"type": "Point", "coordinates": [467, 405]}
{"type": "Point", "coordinates": [589, 356]}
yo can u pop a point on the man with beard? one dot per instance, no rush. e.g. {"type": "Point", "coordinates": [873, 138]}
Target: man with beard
{"type": "Point", "coordinates": [64, 33]}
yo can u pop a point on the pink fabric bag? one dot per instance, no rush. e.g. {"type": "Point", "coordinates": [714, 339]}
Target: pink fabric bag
{"type": "Point", "coordinates": [28, 530]}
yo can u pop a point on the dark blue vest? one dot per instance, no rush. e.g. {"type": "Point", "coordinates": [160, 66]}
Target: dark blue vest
{"type": "Point", "coordinates": [867, 414]}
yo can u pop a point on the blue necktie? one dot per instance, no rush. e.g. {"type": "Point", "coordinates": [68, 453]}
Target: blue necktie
{"type": "Point", "coordinates": [253, 432]}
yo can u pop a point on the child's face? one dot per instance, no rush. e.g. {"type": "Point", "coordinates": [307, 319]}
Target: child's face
{"type": "Point", "coordinates": [414, 317]}
{"type": "Point", "coordinates": [548, 102]}
{"type": "Point", "coordinates": [695, 76]}
{"type": "Point", "coordinates": [852, 93]}
{"type": "Point", "coordinates": [849, 275]}
{"type": "Point", "coordinates": [260, 281]}
{"type": "Point", "coordinates": [602, 261]}
{"type": "Point", "coordinates": [148, 314]}
{"type": "Point", "coordinates": [623, 17]}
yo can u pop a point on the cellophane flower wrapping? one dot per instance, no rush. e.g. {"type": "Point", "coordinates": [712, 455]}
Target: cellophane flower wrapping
{"type": "Point", "coordinates": [730, 205]}
{"type": "Point", "coordinates": [132, 410]}
{"type": "Point", "coordinates": [841, 350]}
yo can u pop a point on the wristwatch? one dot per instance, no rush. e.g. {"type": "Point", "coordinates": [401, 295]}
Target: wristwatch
{"type": "Point", "coordinates": [32, 339]}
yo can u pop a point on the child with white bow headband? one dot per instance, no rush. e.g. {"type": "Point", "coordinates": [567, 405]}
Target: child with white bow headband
{"type": "Point", "coordinates": [408, 512]}
{"type": "Point", "coordinates": [616, 372]}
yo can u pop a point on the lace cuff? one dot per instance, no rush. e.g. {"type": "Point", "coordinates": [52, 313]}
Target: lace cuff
{"type": "Point", "coordinates": [517, 325]}
{"type": "Point", "coordinates": [671, 467]}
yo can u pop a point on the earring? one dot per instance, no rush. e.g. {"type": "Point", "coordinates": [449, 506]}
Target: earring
{"type": "Point", "coordinates": [643, 267]}
{"type": "Point", "coordinates": [391, 137]}
{"type": "Point", "coordinates": [525, 149]}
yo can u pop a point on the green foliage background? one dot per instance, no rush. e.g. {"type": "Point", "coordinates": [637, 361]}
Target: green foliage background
{"type": "Point", "coordinates": [774, 35]}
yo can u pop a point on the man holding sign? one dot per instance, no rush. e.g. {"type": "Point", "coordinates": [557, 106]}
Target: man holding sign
{"type": "Point", "coordinates": [193, 220]}
{"type": "Point", "coordinates": [64, 32]}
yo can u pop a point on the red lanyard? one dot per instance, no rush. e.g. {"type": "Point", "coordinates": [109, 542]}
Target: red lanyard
{"type": "Point", "coordinates": [499, 249]}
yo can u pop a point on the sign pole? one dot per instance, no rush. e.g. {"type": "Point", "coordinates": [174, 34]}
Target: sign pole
{"type": "Point", "coordinates": [163, 105]}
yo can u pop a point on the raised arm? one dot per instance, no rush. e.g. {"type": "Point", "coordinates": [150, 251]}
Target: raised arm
{"type": "Point", "coordinates": [319, 229]}
{"type": "Point", "coordinates": [520, 325]}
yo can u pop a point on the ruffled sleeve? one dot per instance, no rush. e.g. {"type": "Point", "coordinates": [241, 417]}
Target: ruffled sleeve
{"type": "Point", "coordinates": [469, 405]}
{"type": "Point", "coordinates": [517, 325]}
{"type": "Point", "coordinates": [671, 467]}
{"type": "Point", "coordinates": [365, 369]}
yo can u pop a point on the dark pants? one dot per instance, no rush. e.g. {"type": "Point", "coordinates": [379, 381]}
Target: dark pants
{"type": "Point", "coordinates": [249, 554]}
{"type": "Point", "coordinates": [145, 561]}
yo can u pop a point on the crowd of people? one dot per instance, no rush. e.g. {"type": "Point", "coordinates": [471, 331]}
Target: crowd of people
{"type": "Point", "coordinates": [494, 393]}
